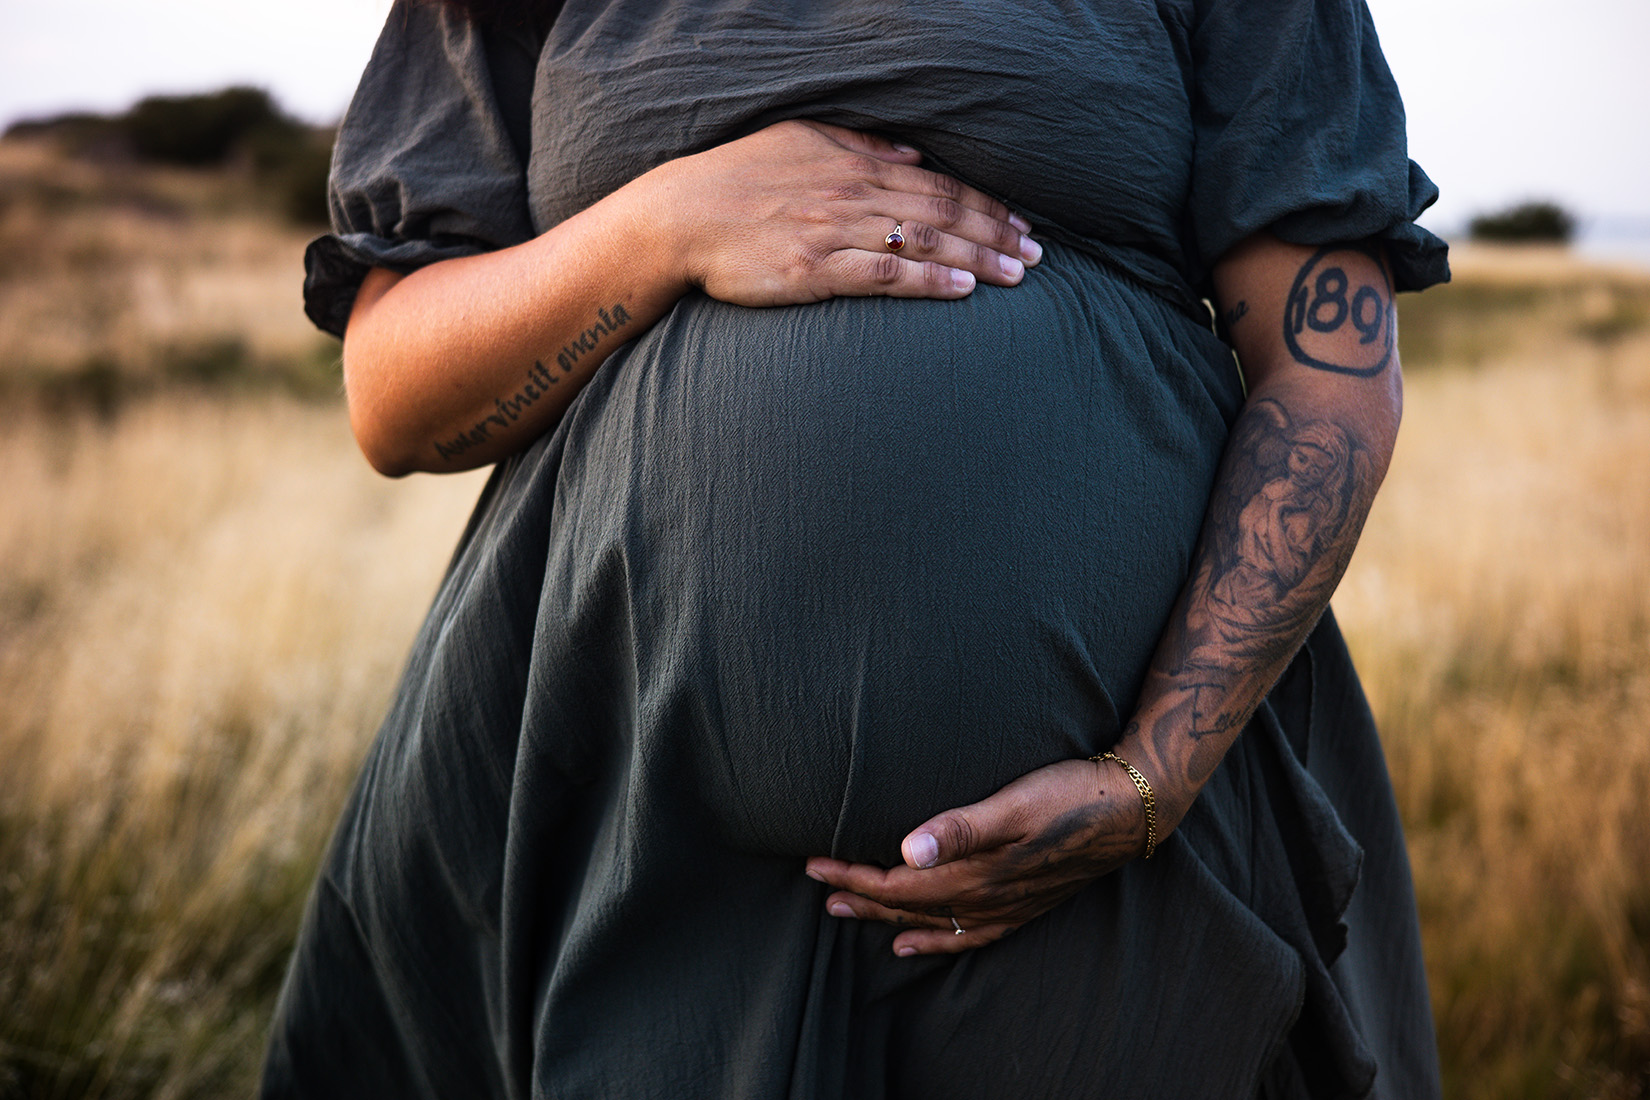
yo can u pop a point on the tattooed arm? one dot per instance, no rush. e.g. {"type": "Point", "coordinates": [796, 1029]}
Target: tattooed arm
{"type": "Point", "coordinates": [466, 361]}
{"type": "Point", "coordinates": [1318, 343]}
{"type": "Point", "coordinates": [1315, 330]}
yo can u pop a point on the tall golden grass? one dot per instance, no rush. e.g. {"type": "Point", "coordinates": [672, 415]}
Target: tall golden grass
{"type": "Point", "coordinates": [205, 596]}
{"type": "Point", "coordinates": [204, 600]}
{"type": "Point", "coordinates": [117, 280]}
{"type": "Point", "coordinates": [202, 607]}
{"type": "Point", "coordinates": [1499, 607]}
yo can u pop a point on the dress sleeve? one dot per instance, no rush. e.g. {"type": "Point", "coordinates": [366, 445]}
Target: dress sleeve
{"type": "Point", "coordinates": [430, 161]}
{"type": "Point", "coordinates": [1300, 130]}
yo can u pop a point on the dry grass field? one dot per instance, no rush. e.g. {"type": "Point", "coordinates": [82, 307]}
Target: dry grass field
{"type": "Point", "coordinates": [1499, 607]}
{"type": "Point", "coordinates": [205, 595]}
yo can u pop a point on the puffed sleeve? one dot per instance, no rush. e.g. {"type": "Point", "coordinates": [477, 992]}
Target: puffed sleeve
{"type": "Point", "coordinates": [1300, 130]}
{"type": "Point", "coordinates": [430, 161]}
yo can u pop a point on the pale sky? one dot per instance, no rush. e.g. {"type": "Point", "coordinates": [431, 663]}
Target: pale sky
{"type": "Point", "coordinates": [1507, 99]}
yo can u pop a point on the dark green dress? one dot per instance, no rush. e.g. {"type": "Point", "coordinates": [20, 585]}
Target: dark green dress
{"type": "Point", "coordinates": [786, 582]}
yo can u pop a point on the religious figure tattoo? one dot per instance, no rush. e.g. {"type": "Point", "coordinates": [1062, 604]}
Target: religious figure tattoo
{"type": "Point", "coordinates": [1279, 532]}
{"type": "Point", "coordinates": [1287, 508]}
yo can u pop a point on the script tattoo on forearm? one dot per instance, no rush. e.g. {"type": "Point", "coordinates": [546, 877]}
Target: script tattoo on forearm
{"type": "Point", "coordinates": [1342, 287]}
{"type": "Point", "coordinates": [508, 410]}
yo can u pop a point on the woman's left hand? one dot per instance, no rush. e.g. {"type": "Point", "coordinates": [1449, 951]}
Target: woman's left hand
{"type": "Point", "coordinates": [1318, 427]}
{"type": "Point", "coordinates": [998, 863]}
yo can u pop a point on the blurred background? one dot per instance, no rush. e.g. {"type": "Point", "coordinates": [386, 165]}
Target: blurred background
{"type": "Point", "coordinates": [205, 594]}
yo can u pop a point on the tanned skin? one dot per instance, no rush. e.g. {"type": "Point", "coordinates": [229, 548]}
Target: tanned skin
{"type": "Point", "coordinates": [467, 361]}
{"type": "Point", "coordinates": [1316, 333]}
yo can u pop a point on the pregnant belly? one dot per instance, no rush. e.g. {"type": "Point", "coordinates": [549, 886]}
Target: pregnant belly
{"type": "Point", "coordinates": [873, 558]}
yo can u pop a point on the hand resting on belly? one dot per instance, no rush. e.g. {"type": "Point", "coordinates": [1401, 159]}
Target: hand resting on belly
{"type": "Point", "coordinates": [469, 360]}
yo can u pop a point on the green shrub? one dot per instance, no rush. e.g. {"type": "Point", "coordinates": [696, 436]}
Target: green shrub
{"type": "Point", "coordinates": [240, 129]}
{"type": "Point", "coordinates": [79, 133]}
{"type": "Point", "coordinates": [201, 130]}
{"type": "Point", "coordinates": [1530, 222]}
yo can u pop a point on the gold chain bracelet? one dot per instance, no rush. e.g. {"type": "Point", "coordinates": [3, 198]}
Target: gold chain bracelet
{"type": "Point", "coordinates": [1146, 796]}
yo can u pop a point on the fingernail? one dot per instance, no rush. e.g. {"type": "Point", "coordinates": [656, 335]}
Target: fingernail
{"type": "Point", "coordinates": [813, 874]}
{"type": "Point", "coordinates": [1019, 223]}
{"type": "Point", "coordinates": [962, 280]}
{"type": "Point", "coordinates": [1030, 250]}
{"type": "Point", "coordinates": [924, 849]}
{"type": "Point", "coordinates": [1012, 268]}
{"type": "Point", "coordinates": [905, 952]}
{"type": "Point", "coordinates": [898, 148]}
{"type": "Point", "coordinates": [840, 909]}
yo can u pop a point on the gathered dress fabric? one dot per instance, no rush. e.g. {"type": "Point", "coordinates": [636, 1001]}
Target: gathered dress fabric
{"type": "Point", "coordinates": [786, 582]}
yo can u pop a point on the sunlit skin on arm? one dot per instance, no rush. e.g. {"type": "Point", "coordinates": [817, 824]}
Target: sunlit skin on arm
{"type": "Point", "coordinates": [1315, 332]}
{"type": "Point", "coordinates": [469, 360]}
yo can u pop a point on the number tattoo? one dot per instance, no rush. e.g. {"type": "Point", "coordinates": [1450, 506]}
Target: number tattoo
{"type": "Point", "coordinates": [1323, 301]}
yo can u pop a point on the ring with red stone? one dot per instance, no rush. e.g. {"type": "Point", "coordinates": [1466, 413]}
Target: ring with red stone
{"type": "Point", "coordinates": [896, 240]}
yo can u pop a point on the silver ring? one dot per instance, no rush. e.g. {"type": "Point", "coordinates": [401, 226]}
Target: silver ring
{"type": "Point", "coordinates": [895, 240]}
{"type": "Point", "coordinates": [958, 927]}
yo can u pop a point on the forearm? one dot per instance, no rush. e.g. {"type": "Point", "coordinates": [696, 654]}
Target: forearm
{"type": "Point", "coordinates": [463, 362]}
{"type": "Point", "coordinates": [466, 361]}
{"type": "Point", "coordinates": [1261, 577]}
{"type": "Point", "coordinates": [1316, 332]}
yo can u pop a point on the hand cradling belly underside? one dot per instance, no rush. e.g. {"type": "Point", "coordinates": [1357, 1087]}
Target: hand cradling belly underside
{"type": "Point", "coordinates": [874, 558]}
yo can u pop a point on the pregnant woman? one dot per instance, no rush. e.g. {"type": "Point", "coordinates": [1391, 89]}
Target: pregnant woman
{"type": "Point", "coordinates": [884, 555]}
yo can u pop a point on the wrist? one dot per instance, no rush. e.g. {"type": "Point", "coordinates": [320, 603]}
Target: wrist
{"type": "Point", "coordinates": [1148, 800]}
{"type": "Point", "coordinates": [1172, 791]}
{"type": "Point", "coordinates": [658, 217]}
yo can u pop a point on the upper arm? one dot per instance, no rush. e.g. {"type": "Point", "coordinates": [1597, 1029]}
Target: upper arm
{"type": "Point", "coordinates": [1328, 310]}
{"type": "Point", "coordinates": [378, 282]}
{"type": "Point", "coordinates": [374, 286]}
{"type": "Point", "coordinates": [429, 163]}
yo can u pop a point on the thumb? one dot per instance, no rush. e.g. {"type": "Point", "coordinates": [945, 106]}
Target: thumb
{"type": "Point", "coordinates": [957, 834]}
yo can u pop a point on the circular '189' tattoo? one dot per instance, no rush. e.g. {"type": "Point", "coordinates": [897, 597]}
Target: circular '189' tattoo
{"type": "Point", "coordinates": [1341, 288]}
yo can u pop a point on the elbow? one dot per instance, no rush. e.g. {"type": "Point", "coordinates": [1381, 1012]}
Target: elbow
{"type": "Point", "coordinates": [381, 450]}
{"type": "Point", "coordinates": [386, 441]}
{"type": "Point", "coordinates": [1394, 398]}
{"type": "Point", "coordinates": [385, 427]}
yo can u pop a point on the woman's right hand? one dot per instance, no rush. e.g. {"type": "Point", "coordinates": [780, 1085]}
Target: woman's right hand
{"type": "Point", "coordinates": [466, 361]}
{"type": "Point", "coordinates": [800, 212]}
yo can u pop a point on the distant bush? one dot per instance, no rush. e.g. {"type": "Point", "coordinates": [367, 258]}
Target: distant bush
{"type": "Point", "coordinates": [1529, 222]}
{"type": "Point", "coordinates": [79, 133]}
{"type": "Point", "coordinates": [202, 130]}
{"type": "Point", "coordinates": [240, 128]}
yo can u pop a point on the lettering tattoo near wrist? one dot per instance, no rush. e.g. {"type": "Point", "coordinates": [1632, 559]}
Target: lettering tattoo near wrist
{"type": "Point", "coordinates": [607, 323]}
{"type": "Point", "coordinates": [508, 410]}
